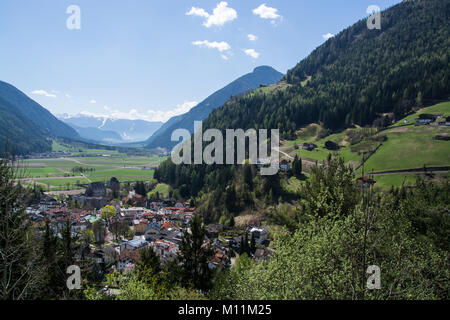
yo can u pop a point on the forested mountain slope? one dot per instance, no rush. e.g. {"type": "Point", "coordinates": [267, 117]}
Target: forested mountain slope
{"type": "Point", "coordinates": [25, 125]}
{"type": "Point", "coordinates": [357, 76]}
{"type": "Point", "coordinates": [20, 134]}
{"type": "Point", "coordinates": [34, 112]}
{"type": "Point", "coordinates": [352, 79]}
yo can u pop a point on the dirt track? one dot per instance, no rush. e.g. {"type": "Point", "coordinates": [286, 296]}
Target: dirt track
{"type": "Point", "coordinates": [417, 170]}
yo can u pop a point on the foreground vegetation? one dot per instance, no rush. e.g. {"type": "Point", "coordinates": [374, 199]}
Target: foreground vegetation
{"type": "Point", "coordinates": [322, 249]}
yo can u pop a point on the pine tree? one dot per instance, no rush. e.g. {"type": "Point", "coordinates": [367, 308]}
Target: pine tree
{"type": "Point", "coordinates": [67, 252]}
{"type": "Point", "coordinates": [297, 166]}
{"type": "Point", "coordinates": [248, 176]}
{"type": "Point", "coordinates": [150, 259]}
{"type": "Point", "coordinates": [252, 244]}
{"type": "Point", "coordinates": [18, 266]}
{"type": "Point", "coordinates": [246, 246]}
{"type": "Point", "coordinates": [52, 272]}
{"type": "Point", "coordinates": [194, 256]}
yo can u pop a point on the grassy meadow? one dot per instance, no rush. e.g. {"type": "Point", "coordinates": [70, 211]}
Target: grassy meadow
{"type": "Point", "coordinates": [99, 165]}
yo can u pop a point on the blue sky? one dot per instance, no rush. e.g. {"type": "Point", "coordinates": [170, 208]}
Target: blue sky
{"type": "Point", "coordinates": [154, 59]}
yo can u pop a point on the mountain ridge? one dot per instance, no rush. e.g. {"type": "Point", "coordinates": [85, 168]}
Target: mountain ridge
{"type": "Point", "coordinates": [261, 75]}
{"type": "Point", "coordinates": [357, 76]}
{"type": "Point", "coordinates": [128, 130]}
{"type": "Point", "coordinates": [362, 79]}
{"type": "Point", "coordinates": [35, 112]}
{"type": "Point", "coordinates": [25, 125]}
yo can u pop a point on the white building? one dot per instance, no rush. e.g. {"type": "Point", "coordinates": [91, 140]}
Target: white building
{"type": "Point", "coordinates": [260, 234]}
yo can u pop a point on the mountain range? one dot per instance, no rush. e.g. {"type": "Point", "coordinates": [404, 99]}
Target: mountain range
{"type": "Point", "coordinates": [263, 75]}
{"type": "Point", "coordinates": [110, 130]}
{"type": "Point", "coordinates": [28, 127]}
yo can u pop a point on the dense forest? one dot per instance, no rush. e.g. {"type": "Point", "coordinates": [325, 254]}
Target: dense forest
{"type": "Point", "coordinates": [25, 126]}
{"type": "Point", "coordinates": [18, 134]}
{"type": "Point", "coordinates": [357, 76]}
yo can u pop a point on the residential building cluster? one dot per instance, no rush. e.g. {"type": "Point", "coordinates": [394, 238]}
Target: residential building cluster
{"type": "Point", "coordinates": [115, 242]}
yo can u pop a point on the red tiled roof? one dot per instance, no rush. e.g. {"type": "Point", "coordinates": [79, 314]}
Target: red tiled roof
{"type": "Point", "coordinates": [149, 214]}
{"type": "Point", "coordinates": [168, 225]}
{"type": "Point", "coordinates": [159, 242]}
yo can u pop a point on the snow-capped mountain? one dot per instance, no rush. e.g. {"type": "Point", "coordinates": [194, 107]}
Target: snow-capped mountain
{"type": "Point", "coordinates": [110, 130]}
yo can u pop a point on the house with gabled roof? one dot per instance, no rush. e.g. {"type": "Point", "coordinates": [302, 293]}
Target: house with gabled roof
{"type": "Point", "coordinates": [165, 248]}
{"type": "Point", "coordinates": [127, 260]}
{"type": "Point", "coordinates": [134, 244]}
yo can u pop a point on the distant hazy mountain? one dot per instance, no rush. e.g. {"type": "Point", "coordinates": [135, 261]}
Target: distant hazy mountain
{"type": "Point", "coordinates": [25, 124]}
{"type": "Point", "coordinates": [263, 75]}
{"type": "Point", "coordinates": [126, 130]}
{"type": "Point", "coordinates": [95, 134]}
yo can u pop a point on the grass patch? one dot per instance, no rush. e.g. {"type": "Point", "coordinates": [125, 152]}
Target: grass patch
{"type": "Point", "coordinates": [385, 182]}
{"type": "Point", "coordinates": [409, 150]}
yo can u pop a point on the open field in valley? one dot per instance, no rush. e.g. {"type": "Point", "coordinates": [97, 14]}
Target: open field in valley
{"type": "Point", "coordinates": [57, 174]}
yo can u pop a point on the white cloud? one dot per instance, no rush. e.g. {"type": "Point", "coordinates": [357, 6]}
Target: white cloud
{"type": "Point", "coordinates": [68, 96]}
{"type": "Point", "coordinates": [221, 46]}
{"type": "Point", "coordinates": [43, 93]}
{"type": "Point", "coordinates": [149, 115]}
{"type": "Point", "coordinates": [166, 115]}
{"type": "Point", "coordinates": [198, 12]}
{"type": "Point", "coordinates": [328, 36]}
{"type": "Point", "coordinates": [252, 37]}
{"type": "Point", "coordinates": [93, 101]}
{"type": "Point", "coordinates": [252, 53]}
{"type": "Point", "coordinates": [266, 12]}
{"type": "Point", "coordinates": [224, 57]}
{"type": "Point", "coordinates": [221, 14]}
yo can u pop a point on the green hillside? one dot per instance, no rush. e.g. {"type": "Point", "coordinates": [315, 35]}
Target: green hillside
{"type": "Point", "coordinates": [401, 146]}
{"type": "Point", "coordinates": [25, 125]}
{"type": "Point", "coordinates": [34, 112]}
{"type": "Point", "coordinates": [357, 76]}
{"type": "Point", "coordinates": [354, 90]}
{"type": "Point", "coordinates": [411, 146]}
{"type": "Point", "coordinates": [22, 135]}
